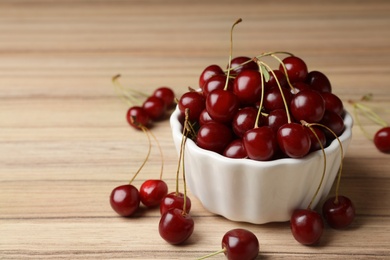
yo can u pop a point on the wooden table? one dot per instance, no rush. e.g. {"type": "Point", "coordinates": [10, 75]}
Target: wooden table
{"type": "Point", "coordinates": [65, 143]}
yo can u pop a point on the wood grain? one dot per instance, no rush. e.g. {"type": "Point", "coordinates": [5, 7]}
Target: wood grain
{"type": "Point", "coordinates": [65, 143]}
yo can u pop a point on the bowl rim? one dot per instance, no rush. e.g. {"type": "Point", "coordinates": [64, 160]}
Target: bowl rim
{"type": "Point", "coordinates": [176, 128]}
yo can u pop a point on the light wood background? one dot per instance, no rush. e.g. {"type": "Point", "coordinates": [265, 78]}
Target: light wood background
{"type": "Point", "coordinates": [65, 143]}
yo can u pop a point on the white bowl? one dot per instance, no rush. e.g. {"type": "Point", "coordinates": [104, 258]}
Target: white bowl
{"type": "Point", "coordinates": [255, 191]}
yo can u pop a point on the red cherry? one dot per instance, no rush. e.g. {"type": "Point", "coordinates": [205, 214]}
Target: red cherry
{"type": "Point", "coordinates": [174, 200]}
{"type": "Point", "coordinates": [338, 213]}
{"type": "Point", "coordinates": [195, 103]}
{"type": "Point", "coordinates": [167, 95]}
{"type": "Point", "coordinates": [214, 137]}
{"type": "Point", "coordinates": [318, 81]}
{"type": "Point", "coordinates": [294, 140]}
{"type": "Point", "coordinates": [333, 103]}
{"type": "Point", "coordinates": [239, 244]}
{"type": "Point", "coordinates": [273, 99]}
{"type": "Point", "coordinates": [152, 192]}
{"type": "Point", "coordinates": [307, 105]}
{"type": "Point", "coordinates": [125, 200]}
{"type": "Point", "coordinates": [176, 226]}
{"type": "Point", "coordinates": [204, 117]}
{"type": "Point", "coordinates": [299, 86]}
{"type": "Point", "coordinates": [315, 145]}
{"type": "Point", "coordinates": [237, 67]}
{"type": "Point", "coordinates": [247, 87]}
{"type": "Point", "coordinates": [216, 82]}
{"type": "Point", "coordinates": [276, 118]}
{"type": "Point", "coordinates": [382, 139]}
{"type": "Point", "coordinates": [154, 107]}
{"type": "Point", "coordinates": [271, 83]}
{"type": "Point", "coordinates": [306, 226]}
{"type": "Point", "coordinates": [235, 150]}
{"type": "Point", "coordinates": [208, 72]}
{"type": "Point", "coordinates": [244, 120]}
{"type": "Point", "coordinates": [260, 143]}
{"type": "Point", "coordinates": [222, 105]}
{"type": "Point", "coordinates": [335, 122]}
{"type": "Point", "coordinates": [136, 117]}
{"type": "Point", "coordinates": [296, 69]}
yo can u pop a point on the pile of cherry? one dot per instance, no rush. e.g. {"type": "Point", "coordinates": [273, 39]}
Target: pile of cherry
{"type": "Point", "coordinates": [256, 113]}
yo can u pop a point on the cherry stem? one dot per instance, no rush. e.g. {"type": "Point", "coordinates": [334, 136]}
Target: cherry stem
{"type": "Point", "coordinates": [336, 201]}
{"type": "Point", "coordinates": [269, 69]}
{"type": "Point", "coordinates": [145, 130]}
{"type": "Point", "coordinates": [160, 151]}
{"type": "Point", "coordinates": [126, 94]}
{"type": "Point", "coordinates": [184, 134]}
{"type": "Point", "coordinates": [367, 112]}
{"type": "Point", "coordinates": [285, 72]}
{"type": "Point", "coordinates": [223, 250]}
{"type": "Point", "coordinates": [231, 53]}
{"type": "Point", "coordinates": [324, 155]}
{"type": "Point", "coordinates": [184, 176]}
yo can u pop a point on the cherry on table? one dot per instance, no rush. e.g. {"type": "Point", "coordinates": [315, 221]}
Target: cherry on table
{"type": "Point", "coordinates": [137, 117]}
{"type": "Point", "coordinates": [152, 192]}
{"type": "Point", "coordinates": [167, 95]}
{"type": "Point", "coordinates": [382, 139]}
{"type": "Point", "coordinates": [306, 226]}
{"type": "Point", "coordinates": [176, 226]}
{"type": "Point", "coordinates": [338, 213]}
{"type": "Point", "coordinates": [125, 200]}
{"type": "Point", "coordinates": [174, 200]}
{"type": "Point", "coordinates": [154, 107]}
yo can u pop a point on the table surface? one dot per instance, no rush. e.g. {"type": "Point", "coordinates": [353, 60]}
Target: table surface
{"type": "Point", "coordinates": [65, 143]}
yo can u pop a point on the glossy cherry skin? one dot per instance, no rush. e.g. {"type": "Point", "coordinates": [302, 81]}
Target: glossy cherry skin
{"type": "Point", "coordinates": [244, 120]}
{"type": "Point", "coordinates": [294, 140]}
{"type": "Point", "coordinates": [318, 81]}
{"type": "Point", "coordinates": [176, 226]}
{"type": "Point", "coordinates": [335, 122]}
{"type": "Point", "coordinates": [260, 143]}
{"type": "Point", "coordinates": [273, 83]}
{"type": "Point", "coordinates": [222, 105]}
{"type": "Point", "coordinates": [276, 118]}
{"type": "Point", "coordinates": [136, 117]}
{"type": "Point", "coordinates": [247, 87]}
{"type": "Point", "coordinates": [333, 103]}
{"type": "Point", "coordinates": [240, 244]}
{"type": "Point", "coordinates": [237, 67]}
{"type": "Point", "coordinates": [306, 226]}
{"type": "Point", "coordinates": [235, 150]}
{"type": "Point", "coordinates": [154, 107]}
{"type": "Point", "coordinates": [382, 139]}
{"type": "Point", "coordinates": [208, 72]}
{"type": "Point", "coordinates": [273, 99]}
{"type": "Point", "coordinates": [315, 144]}
{"type": "Point", "coordinates": [204, 117]}
{"type": "Point", "coordinates": [152, 192]}
{"type": "Point", "coordinates": [338, 214]}
{"type": "Point", "coordinates": [174, 200]}
{"type": "Point", "coordinates": [307, 105]}
{"type": "Point", "coordinates": [216, 82]}
{"type": "Point", "coordinates": [167, 95]}
{"type": "Point", "coordinates": [214, 137]}
{"type": "Point", "coordinates": [125, 200]}
{"type": "Point", "coordinates": [195, 102]}
{"type": "Point", "coordinates": [296, 69]}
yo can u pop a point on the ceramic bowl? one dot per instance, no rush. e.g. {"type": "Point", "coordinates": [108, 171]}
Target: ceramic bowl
{"type": "Point", "coordinates": [258, 192]}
